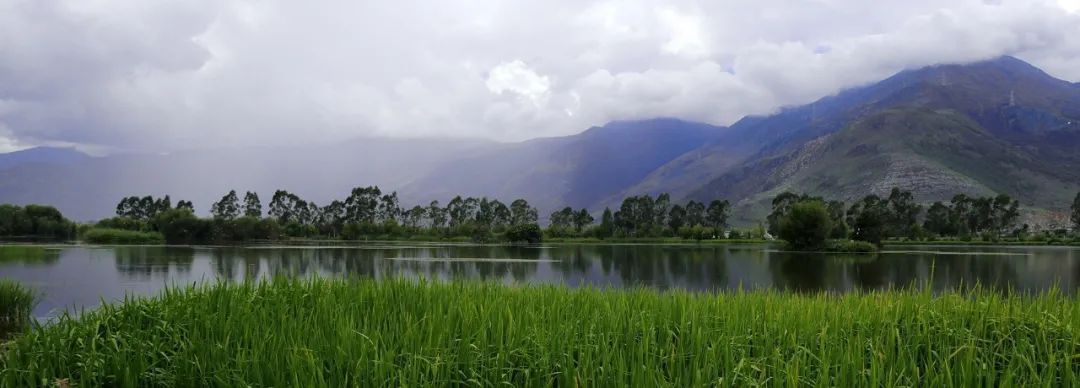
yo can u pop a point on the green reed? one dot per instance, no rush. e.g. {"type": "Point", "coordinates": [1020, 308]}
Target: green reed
{"type": "Point", "coordinates": [416, 333]}
{"type": "Point", "coordinates": [16, 305]}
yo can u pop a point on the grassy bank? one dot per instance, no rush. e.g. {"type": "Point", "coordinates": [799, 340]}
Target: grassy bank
{"type": "Point", "coordinates": [359, 333]}
{"type": "Point", "coordinates": [16, 304]}
{"type": "Point", "coordinates": [121, 236]}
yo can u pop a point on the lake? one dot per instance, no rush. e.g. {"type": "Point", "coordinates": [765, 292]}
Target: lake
{"type": "Point", "coordinates": [82, 276]}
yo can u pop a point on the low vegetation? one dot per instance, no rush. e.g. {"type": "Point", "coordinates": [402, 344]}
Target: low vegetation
{"type": "Point", "coordinates": [16, 304]}
{"type": "Point", "coordinates": [850, 246]}
{"type": "Point", "coordinates": [399, 332]}
{"type": "Point", "coordinates": [121, 236]}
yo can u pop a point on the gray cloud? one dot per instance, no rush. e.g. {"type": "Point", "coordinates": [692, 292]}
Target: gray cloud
{"type": "Point", "coordinates": [117, 75]}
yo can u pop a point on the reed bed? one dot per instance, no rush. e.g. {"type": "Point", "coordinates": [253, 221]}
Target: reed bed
{"type": "Point", "coordinates": [338, 333]}
{"type": "Point", "coordinates": [16, 305]}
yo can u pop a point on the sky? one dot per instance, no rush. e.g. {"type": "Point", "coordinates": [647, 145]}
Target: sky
{"type": "Point", "coordinates": [111, 76]}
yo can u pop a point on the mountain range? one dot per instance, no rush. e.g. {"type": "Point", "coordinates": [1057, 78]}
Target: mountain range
{"type": "Point", "coordinates": [996, 126]}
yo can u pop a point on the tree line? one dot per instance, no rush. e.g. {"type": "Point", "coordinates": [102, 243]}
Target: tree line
{"type": "Point", "coordinates": [807, 222]}
{"type": "Point", "coordinates": [34, 222]}
{"type": "Point", "coordinates": [367, 212]}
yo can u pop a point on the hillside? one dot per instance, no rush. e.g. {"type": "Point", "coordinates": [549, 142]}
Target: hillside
{"type": "Point", "coordinates": [999, 126]}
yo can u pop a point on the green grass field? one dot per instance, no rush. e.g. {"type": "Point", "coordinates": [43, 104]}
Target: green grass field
{"type": "Point", "coordinates": [408, 333]}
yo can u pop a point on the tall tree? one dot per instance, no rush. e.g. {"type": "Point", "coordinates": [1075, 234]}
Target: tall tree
{"type": "Point", "coordinates": [362, 204]}
{"type": "Point", "coordinates": [436, 215]}
{"type": "Point", "coordinates": [903, 213]}
{"type": "Point", "coordinates": [456, 211]}
{"type": "Point", "coordinates": [1005, 213]}
{"type": "Point", "coordinates": [781, 204]}
{"type": "Point", "coordinates": [500, 214]}
{"type": "Point", "coordinates": [228, 208]}
{"type": "Point", "coordinates": [837, 213]}
{"type": "Point", "coordinates": [582, 219]}
{"type": "Point", "coordinates": [332, 217]}
{"type": "Point", "coordinates": [252, 205]}
{"type": "Point", "coordinates": [607, 225]}
{"type": "Point", "coordinates": [562, 218]}
{"type": "Point", "coordinates": [695, 213]}
{"type": "Point", "coordinates": [676, 218]}
{"type": "Point", "coordinates": [660, 208]}
{"type": "Point", "coordinates": [389, 209]}
{"type": "Point", "coordinates": [413, 217]}
{"type": "Point", "coordinates": [960, 215]}
{"type": "Point", "coordinates": [717, 214]}
{"type": "Point", "coordinates": [1075, 216]}
{"type": "Point", "coordinates": [938, 220]}
{"type": "Point", "coordinates": [521, 213]}
{"type": "Point", "coordinates": [867, 218]}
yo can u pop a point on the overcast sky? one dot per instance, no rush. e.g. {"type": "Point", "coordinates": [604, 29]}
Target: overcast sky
{"type": "Point", "coordinates": [119, 75]}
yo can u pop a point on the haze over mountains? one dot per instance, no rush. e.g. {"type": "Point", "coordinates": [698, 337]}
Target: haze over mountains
{"type": "Point", "coordinates": [994, 126]}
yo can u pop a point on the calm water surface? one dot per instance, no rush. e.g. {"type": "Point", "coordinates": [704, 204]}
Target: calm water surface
{"type": "Point", "coordinates": [83, 276]}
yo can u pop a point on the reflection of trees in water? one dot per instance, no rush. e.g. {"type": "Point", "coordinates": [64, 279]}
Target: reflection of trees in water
{"type": "Point", "coordinates": [236, 263]}
{"type": "Point", "coordinates": [800, 272]}
{"type": "Point", "coordinates": [887, 271]}
{"type": "Point", "coordinates": [306, 262]}
{"type": "Point", "coordinates": [663, 266]}
{"type": "Point", "coordinates": [429, 266]}
{"type": "Point", "coordinates": [28, 255]}
{"type": "Point", "coordinates": [151, 263]}
{"type": "Point", "coordinates": [994, 272]}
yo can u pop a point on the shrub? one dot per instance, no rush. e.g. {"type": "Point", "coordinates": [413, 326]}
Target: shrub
{"type": "Point", "coordinates": [126, 223]}
{"type": "Point", "coordinates": [180, 226]}
{"type": "Point", "coordinates": [121, 236]}
{"type": "Point", "coordinates": [527, 233]}
{"type": "Point", "coordinates": [850, 246]}
{"type": "Point", "coordinates": [806, 226]}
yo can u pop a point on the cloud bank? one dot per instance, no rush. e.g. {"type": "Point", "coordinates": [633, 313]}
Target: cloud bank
{"type": "Point", "coordinates": [119, 75]}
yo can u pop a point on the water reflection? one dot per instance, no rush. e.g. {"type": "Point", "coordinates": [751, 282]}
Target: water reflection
{"type": "Point", "coordinates": [80, 276]}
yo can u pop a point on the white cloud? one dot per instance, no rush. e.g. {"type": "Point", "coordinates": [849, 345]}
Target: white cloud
{"type": "Point", "coordinates": [127, 74]}
{"type": "Point", "coordinates": [516, 77]}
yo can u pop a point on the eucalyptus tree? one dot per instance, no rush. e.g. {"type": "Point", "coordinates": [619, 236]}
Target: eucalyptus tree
{"type": "Point", "coordinates": [695, 213]}
{"type": "Point", "coordinates": [362, 204]}
{"type": "Point", "coordinates": [521, 213]}
{"type": "Point", "coordinates": [252, 205]}
{"type": "Point", "coordinates": [903, 212]}
{"type": "Point", "coordinates": [228, 208]}
{"type": "Point", "coordinates": [1075, 215]}
{"type": "Point", "coordinates": [867, 218]}
{"type": "Point", "coordinates": [716, 215]}
{"type": "Point", "coordinates": [436, 215]}
{"type": "Point", "coordinates": [582, 219]}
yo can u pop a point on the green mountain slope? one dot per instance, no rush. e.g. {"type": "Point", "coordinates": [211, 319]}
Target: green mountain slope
{"type": "Point", "coordinates": [934, 153]}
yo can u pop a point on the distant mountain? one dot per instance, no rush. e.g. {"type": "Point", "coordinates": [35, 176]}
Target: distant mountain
{"type": "Point", "coordinates": [90, 189]}
{"type": "Point", "coordinates": [42, 155]}
{"type": "Point", "coordinates": [578, 171]}
{"type": "Point", "coordinates": [999, 126]}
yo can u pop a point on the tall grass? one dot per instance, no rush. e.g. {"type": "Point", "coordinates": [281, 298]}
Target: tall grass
{"type": "Point", "coordinates": [121, 236]}
{"type": "Point", "coordinates": [16, 305]}
{"type": "Point", "coordinates": [409, 333]}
